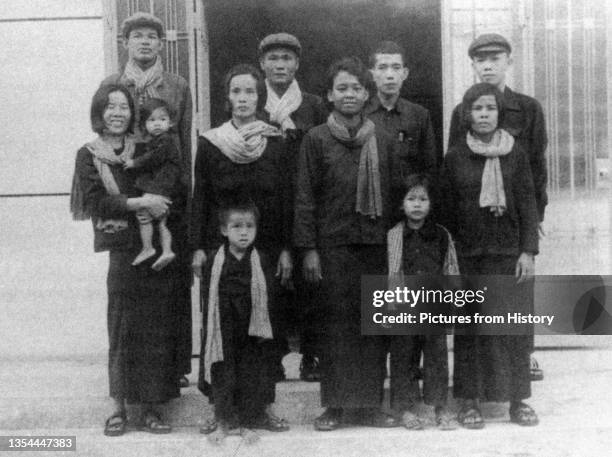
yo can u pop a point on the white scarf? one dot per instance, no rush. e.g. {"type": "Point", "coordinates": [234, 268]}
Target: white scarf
{"type": "Point", "coordinates": [280, 109]}
{"type": "Point", "coordinates": [492, 192]}
{"type": "Point", "coordinates": [146, 81]}
{"type": "Point", "coordinates": [243, 145]}
{"type": "Point", "coordinates": [259, 324]}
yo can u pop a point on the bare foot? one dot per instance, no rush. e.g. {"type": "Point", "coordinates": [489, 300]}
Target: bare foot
{"type": "Point", "coordinates": [143, 255]}
{"type": "Point", "coordinates": [163, 261]}
{"type": "Point", "coordinates": [217, 437]}
{"type": "Point", "coordinates": [249, 436]}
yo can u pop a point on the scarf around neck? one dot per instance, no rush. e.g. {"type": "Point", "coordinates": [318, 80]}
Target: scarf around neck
{"type": "Point", "coordinates": [492, 193]}
{"type": "Point", "coordinates": [369, 196]}
{"type": "Point", "coordinates": [103, 157]}
{"type": "Point", "coordinates": [145, 81]}
{"type": "Point", "coordinates": [280, 109]}
{"type": "Point", "coordinates": [243, 145]}
{"type": "Point", "coordinates": [259, 324]}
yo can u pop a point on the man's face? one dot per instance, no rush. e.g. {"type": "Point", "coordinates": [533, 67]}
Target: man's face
{"type": "Point", "coordinates": [389, 73]}
{"type": "Point", "coordinates": [491, 67]}
{"type": "Point", "coordinates": [279, 66]}
{"type": "Point", "coordinates": [348, 95]}
{"type": "Point", "coordinates": [143, 44]}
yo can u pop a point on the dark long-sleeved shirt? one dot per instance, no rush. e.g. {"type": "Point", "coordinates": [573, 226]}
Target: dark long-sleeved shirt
{"type": "Point", "coordinates": [523, 119]}
{"type": "Point", "coordinates": [424, 250]}
{"type": "Point", "coordinates": [265, 181]}
{"type": "Point", "coordinates": [326, 193]}
{"type": "Point", "coordinates": [476, 230]}
{"type": "Point", "coordinates": [409, 125]}
{"type": "Point", "coordinates": [158, 165]}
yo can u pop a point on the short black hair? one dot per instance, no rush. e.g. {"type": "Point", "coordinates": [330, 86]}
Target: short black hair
{"type": "Point", "coordinates": [353, 66]}
{"type": "Point", "coordinates": [473, 94]}
{"type": "Point", "coordinates": [244, 69]}
{"type": "Point", "coordinates": [419, 180]}
{"type": "Point", "coordinates": [99, 102]}
{"type": "Point", "coordinates": [147, 108]}
{"type": "Point", "coordinates": [387, 47]}
{"type": "Point", "coordinates": [237, 205]}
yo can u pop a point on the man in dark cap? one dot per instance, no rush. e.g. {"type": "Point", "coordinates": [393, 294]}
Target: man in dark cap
{"type": "Point", "coordinates": [145, 78]}
{"type": "Point", "coordinates": [491, 56]}
{"type": "Point", "coordinates": [295, 112]}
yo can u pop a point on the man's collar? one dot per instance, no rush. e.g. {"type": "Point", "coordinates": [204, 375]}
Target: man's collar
{"type": "Point", "coordinates": [510, 100]}
{"type": "Point", "coordinates": [375, 104]}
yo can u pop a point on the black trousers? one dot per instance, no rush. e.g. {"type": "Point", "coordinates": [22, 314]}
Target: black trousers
{"type": "Point", "coordinates": [405, 353]}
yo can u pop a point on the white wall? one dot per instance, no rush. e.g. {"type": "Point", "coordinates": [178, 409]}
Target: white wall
{"type": "Point", "coordinates": [52, 61]}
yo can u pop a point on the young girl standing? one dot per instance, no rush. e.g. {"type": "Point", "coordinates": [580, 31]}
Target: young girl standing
{"type": "Point", "coordinates": [159, 168]}
{"type": "Point", "coordinates": [419, 246]}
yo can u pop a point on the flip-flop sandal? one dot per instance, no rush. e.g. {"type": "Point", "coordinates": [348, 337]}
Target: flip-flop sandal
{"type": "Point", "coordinates": [412, 422]}
{"type": "Point", "coordinates": [209, 426]}
{"type": "Point", "coordinates": [524, 415]}
{"type": "Point", "coordinates": [154, 424]}
{"type": "Point", "coordinates": [535, 372]}
{"type": "Point", "coordinates": [115, 427]}
{"type": "Point", "coordinates": [471, 418]}
{"type": "Point", "coordinates": [446, 422]}
{"type": "Point", "coordinates": [271, 423]}
{"type": "Point", "coordinates": [327, 421]}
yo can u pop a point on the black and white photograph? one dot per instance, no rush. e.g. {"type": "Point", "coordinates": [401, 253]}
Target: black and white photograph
{"type": "Point", "coordinates": [306, 228]}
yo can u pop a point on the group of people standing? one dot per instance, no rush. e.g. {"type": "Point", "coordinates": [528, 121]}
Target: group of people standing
{"type": "Point", "coordinates": [293, 201]}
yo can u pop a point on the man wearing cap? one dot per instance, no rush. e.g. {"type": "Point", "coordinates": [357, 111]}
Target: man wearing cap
{"type": "Point", "coordinates": [295, 112]}
{"type": "Point", "coordinates": [145, 78]}
{"type": "Point", "coordinates": [407, 123]}
{"type": "Point", "coordinates": [523, 119]}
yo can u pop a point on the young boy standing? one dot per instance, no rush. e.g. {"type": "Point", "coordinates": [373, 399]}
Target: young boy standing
{"type": "Point", "coordinates": [491, 56]}
{"type": "Point", "coordinates": [238, 348]}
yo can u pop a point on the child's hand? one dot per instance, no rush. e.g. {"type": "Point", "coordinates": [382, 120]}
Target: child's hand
{"type": "Point", "coordinates": [129, 163]}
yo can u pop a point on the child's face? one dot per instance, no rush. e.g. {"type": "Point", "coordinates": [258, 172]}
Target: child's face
{"type": "Point", "coordinates": [491, 67]}
{"type": "Point", "coordinates": [484, 115]}
{"type": "Point", "coordinates": [416, 204]}
{"type": "Point", "coordinates": [240, 229]}
{"type": "Point", "coordinates": [348, 95]}
{"type": "Point", "coordinates": [158, 122]}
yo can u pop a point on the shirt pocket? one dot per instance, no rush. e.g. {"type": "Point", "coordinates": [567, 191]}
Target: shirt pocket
{"type": "Point", "coordinates": [406, 152]}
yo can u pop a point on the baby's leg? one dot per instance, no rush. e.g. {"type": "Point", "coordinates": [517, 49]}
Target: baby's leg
{"type": "Point", "coordinates": [165, 237]}
{"type": "Point", "coordinates": [146, 236]}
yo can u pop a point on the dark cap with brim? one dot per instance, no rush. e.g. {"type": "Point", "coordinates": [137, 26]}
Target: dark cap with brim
{"type": "Point", "coordinates": [489, 42]}
{"type": "Point", "coordinates": [141, 19]}
{"type": "Point", "coordinates": [280, 40]}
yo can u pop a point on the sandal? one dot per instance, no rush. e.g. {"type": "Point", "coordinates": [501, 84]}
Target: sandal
{"type": "Point", "coordinates": [116, 427]}
{"type": "Point", "coordinates": [411, 421]}
{"type": "Point", "coordinates": [154, 424]}
{"type": "Point", "coordinates": [378, 419]}
{"type": "Point", "coordinates": [535, 372]}
{"type": "Point", "coordinates": [470, 417]}
{"type": "Point", "coordinates": [445, 421]}
{"type": "Point", "coordinates": [271, 423]}
{"type": "Point", "coordinates": [209, 426]}
{"type": "Point", "coordinates": [328, 421]}
{"type": "Point", "coordinates": [523, 414]}
{"type": "Point", "coordinates": [183, 382]}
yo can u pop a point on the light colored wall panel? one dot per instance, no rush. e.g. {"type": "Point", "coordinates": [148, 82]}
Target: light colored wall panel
{"type": "Point", "coordinates": [50, 72]}
{"type": "Point", "coordinates": [10, 9]}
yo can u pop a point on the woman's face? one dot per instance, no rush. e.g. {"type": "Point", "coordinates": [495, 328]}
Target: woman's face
{"type": "Point", "coordinates": [347, 95]}
{"type": "Point", "coordinates": [117, 114]}
{"type": "Point", "coordinates": [484, 115]}
{"type": "Point", "coordinates": [243, 96]}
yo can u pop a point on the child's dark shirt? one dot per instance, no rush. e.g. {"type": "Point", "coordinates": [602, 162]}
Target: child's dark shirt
{"type": "Point", "coordinates": [424, 250]}
{"type": "Point", "coordinates": [158, 166]}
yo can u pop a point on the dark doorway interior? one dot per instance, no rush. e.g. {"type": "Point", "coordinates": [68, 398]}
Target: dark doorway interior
{"type": "Point", "coordinates": [329, 29]}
